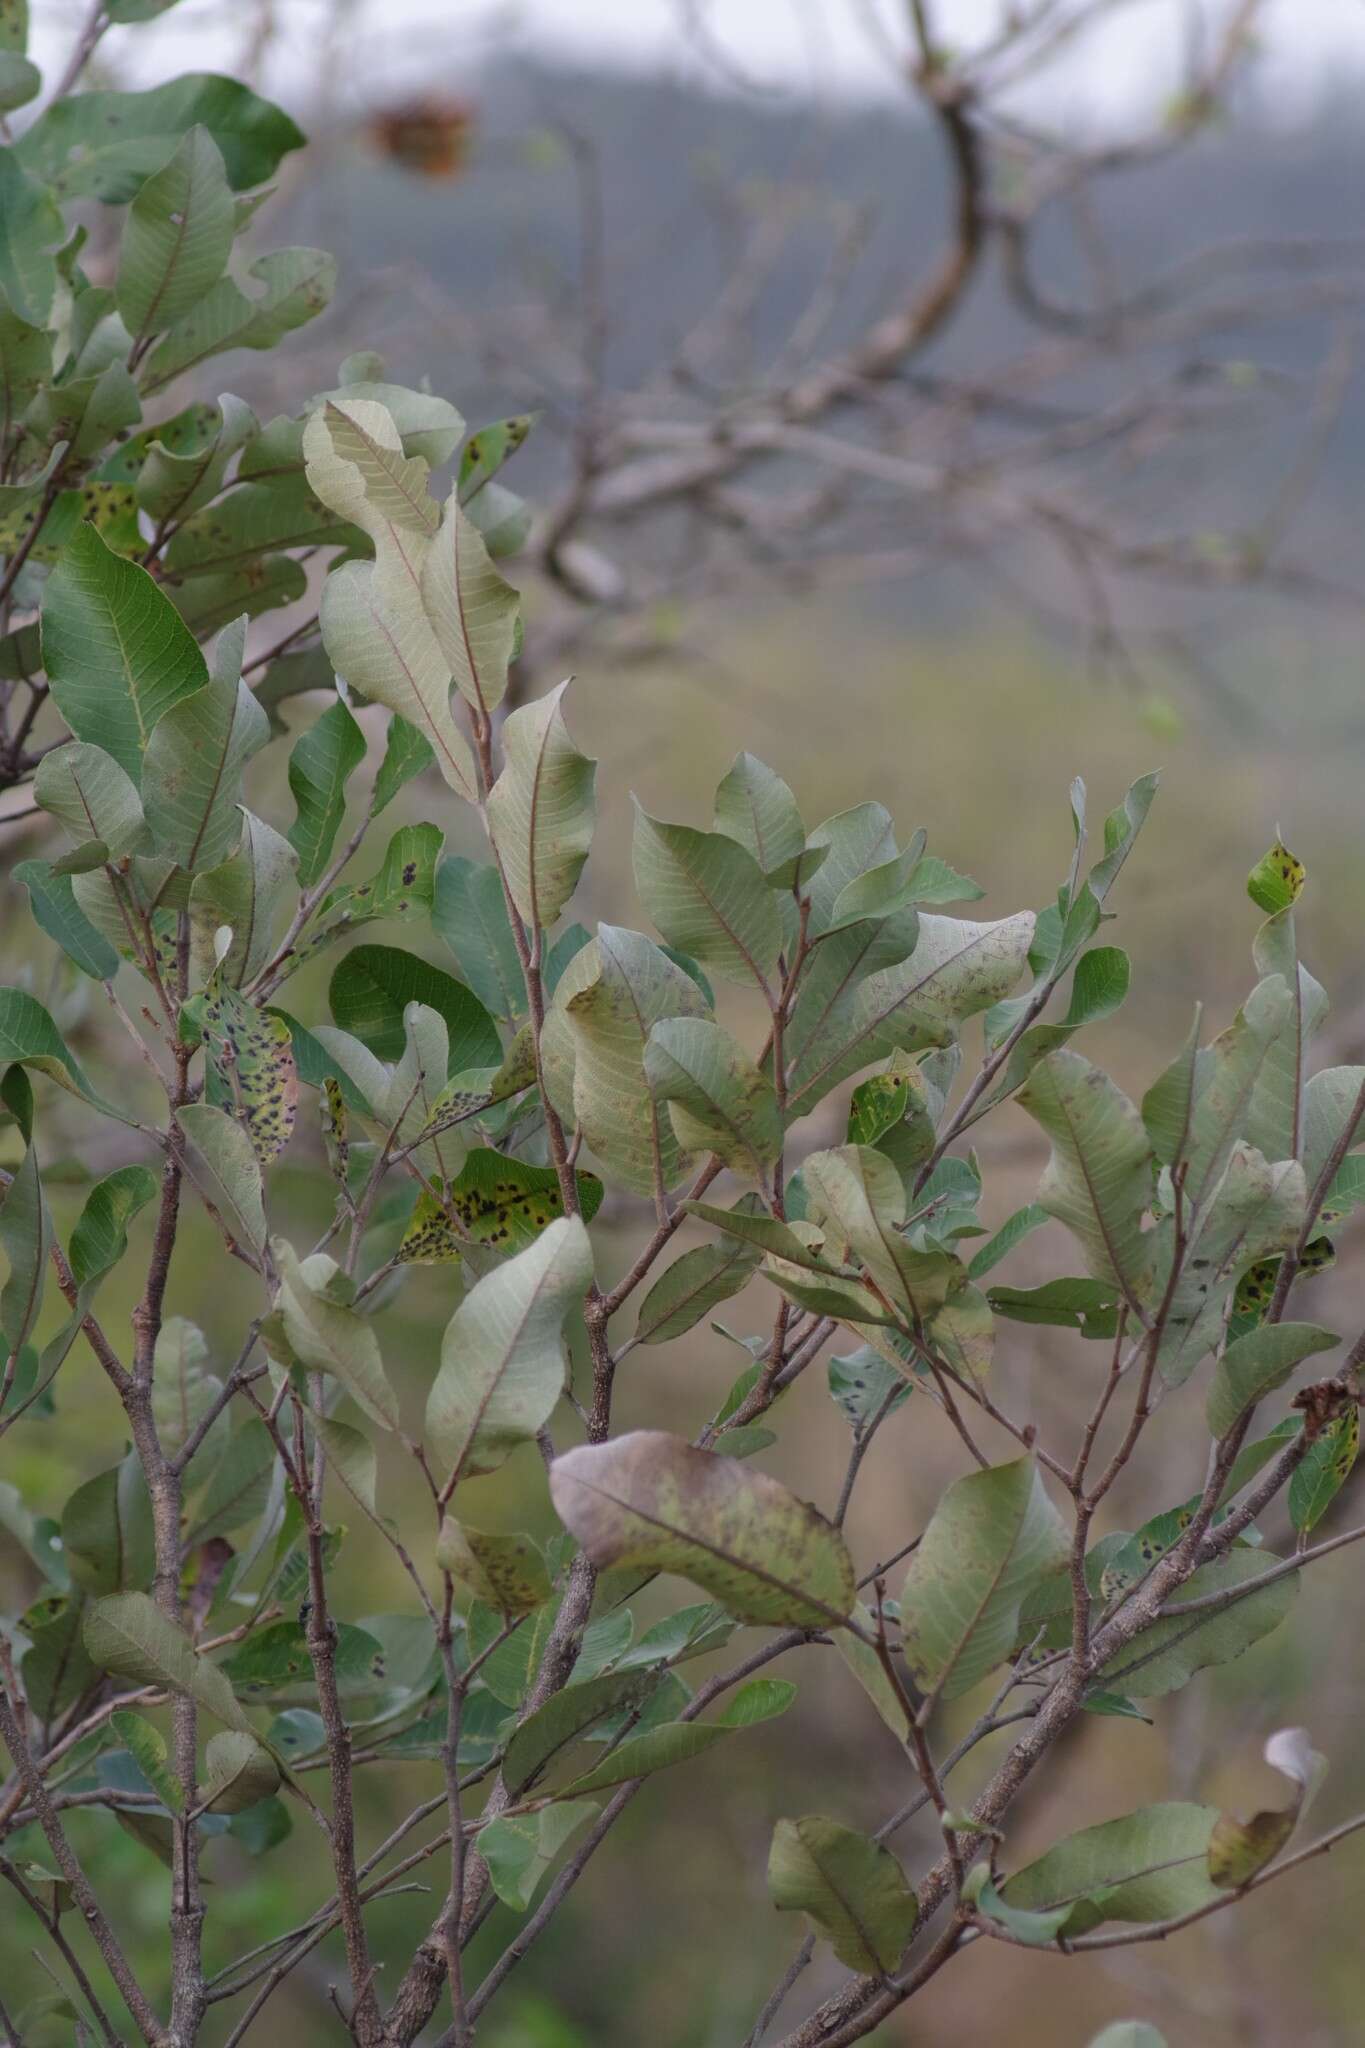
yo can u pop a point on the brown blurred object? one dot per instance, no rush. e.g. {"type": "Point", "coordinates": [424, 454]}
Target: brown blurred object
{"type": "Point", "coordinates": [429, 136]}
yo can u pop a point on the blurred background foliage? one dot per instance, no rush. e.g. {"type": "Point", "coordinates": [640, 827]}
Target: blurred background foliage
{"type": "Point", "coordinates": [961, 702]}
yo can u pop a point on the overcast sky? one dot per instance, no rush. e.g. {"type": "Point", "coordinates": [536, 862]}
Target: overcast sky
{"type": "Point", "coordinates": [833, 45]}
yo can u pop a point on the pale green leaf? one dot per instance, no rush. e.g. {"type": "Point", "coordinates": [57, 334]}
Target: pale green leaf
{"type": "Point", "coordinates": [717, 1099]}
{"type": "Point", "coordinates": [520, 1848]}
{"type": "Point", "coordinates": [473, 612]}
{"type": "Point", "coordinates": [649, 1499]}
{"type": "Point", "coordinates": [1099, 1181]}
{"type": "Point", "coordinates": [755, 807]}
{"type": "Point", "coordinates": [611, 995]}
{"type": "Point", "coordinates": [127, 1635]}
{"type": "Point", "coordinates": [93, 797]}
{"type": "Point", "coordinates": [691, 1287]}
{"type": "Point", "coordinates": [393, 658]}
{"type": "Point", "coordinates": [541, 810]}
{"type": "Point", "coordinates": [326, 1335]}
{"type": "Point", "coordinates": [1146, 1866]}
{"type": "Point", "coordinates": [852, 1890]}
{"type": "Point", "coordinates": [502, 1357]}
{"type": "Point", "coordinates": [992, 1537]}
{"type": "Point", "coordinates": [224, 1168]}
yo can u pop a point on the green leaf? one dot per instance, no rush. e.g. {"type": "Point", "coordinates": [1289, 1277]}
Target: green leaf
{"type": "Point", "coordinates": [20, 81]}
{"type": "Point", "coordinates": [862, 1384]}
{"type": "Point", "coordinates": [1128, 2034]}
{"type": "Point", "coordinates": [392, 656]}
{"type": "Point", "coordinates": [106, 143]}
{"type": "Point", "coordinates": [991, 1538]}
{"type": "Point", "coordinates": [25, 366]}
{"type": "Point", "coordinates": [610, 996]}
{"type": "Point", "coordinates": [1099, 986]}
{"type": "Point", "coordinates": [755, 807]}
{"type": "Point", "coordinates": [1033, 1930]}
{"type": "Point", "coordinates": [520, 1848]}
{"type": "Point", "coordinates": [222, 1163]}
{"type": "Point", "coordinates": [1254, 1365]}
{"type": "Point", "coordinates": [30, 227]}
{"type": "Point", "coordinates": [717, 1099]}
{"type": "Point", "coordinates": [474, 614]}
{"type": "Point", "coordinates": [650, 1500]}
{"type": "Point", "coordinates": [1168, 1105]}
{"type": "Point", "coordinates": [118, 655]}
{"type": "Point", "coordinates": [677, 1742]}
{"type": "Point", "coordinates": [1166, 1655]}
{"type": "Point", "coordinates": [691, 1287]}
{"type": "Point", "coordinates": [406, 755]}
{"type": "Point", "coordinates": [238, 1772]}
{"type": "Point", "coordinates": [1012, 1231]}
{"type": "Point", "coordinates": [469, 911]}
{"type": "Point", "coordinates": [126, 1634]}
{"type": "Point", "coordinates": [707, 895]}
{"type": "Point", "coordinates": [177, 237]}
{"type": "Point", "coordinates": [239, 1487]}
{"type": "Point", "coordinates": [56, 1669]}
{"type": "Point", "coordinates": [541, 810]}
{"type": "Point", "coordinates": [568, 1715]}
{"type": "Point", "coordinates": [93, 797]}
{"type": "Point", "coordinates": [321, 762]}
{"type": "Point", "coordinates": [98, 1242]}
{"type": "Point", "coordinates": [400, 887]}
{"type": "Point", "coordinates": [880, 892]}
{"type": "Point", "coordinates": [852, 1890]}
{"type": "Point", "coordinates": [486, 451]}
{"type": "Point", "coordinates": [274, 1663]}
{"type": "Point", "coordinates": [372, 988]}
{"type": "Point", "coordinates": [29, 1036]}
{"type": "Point", "coordinates": [26, 1239]}
{"type": "Point", "coordinates": [192, 775]}
{"type": "Point", "coordinates": [502, 1357]}
{"type": "Point", "coordinates": [55, 910]}
{"type": "Point", "coordinates": [1146, 1866]}
{"type": "Point", "coordinates": [295, 286]}
{"type": "Point", "coordinates": [183, 1391]}
{"type": "Point", "coordinates": [107, 1532]}
{"type": "Point", "coordinates": [1276, 882]}
{"type": "Point", "coordinates": [855, 1195]}
{"type": "Point", "coordinates": [1228, 1075]}
{"type": "Point", "coordinates": [325, 1335]}
{"type": "Point", "coordinates": [876, 1106]}
{"type": "Point", "coordinates": [1099, 1181]}
{"type": "Point", "coordinates": [247, 893]}
{"type": "Point", "coordinates": [232, 534]}
{"type": "Point", "coordinates": [1254, 1210]}
{"type": "Point", "coordinates": [1326, 1467]}
{"type": "Point", "coordinates": [937, 882]}
{"type": "Point", "coordinates": [1090, 1306]}
{"type": "Point", "coordinates": [506, 1572]}
{"type": "Point", "coordinates": [147, 1748]}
